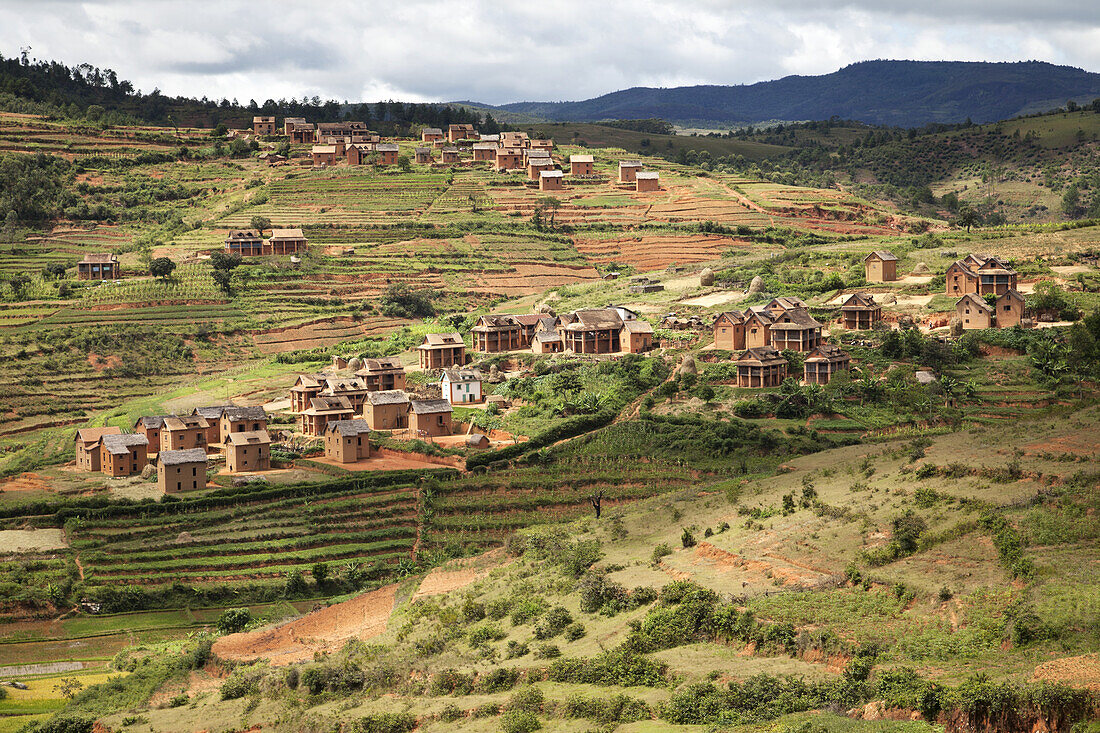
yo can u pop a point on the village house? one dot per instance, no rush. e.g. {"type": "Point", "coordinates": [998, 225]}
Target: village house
{"type": "Point", "coordinates": [795, 329]}
{"type": "Point", "coordinates": [515, 140]}
{"type": "Point", "coordinates": [636, 337]}
{"type": "Point", "coordinates": [149, 427]}
{"type": "Point", "coordinates": [250, 451]}
{"type": "Point", "coordinates": [323, 155]}
{"type": "Point", "coordinates": [760, 367]}
{"type": "Point", "coordinates": [729, 331]}
{"type": "Point", "coordinates": [592, 331]}
{"type": "Point", "coordinates": [306, 387]}
{"type": "Point", "coordinates": [495, 333]}
{"type": "Point", "coordinates": [98, 267]}
{"type": "Point", "coordinates": [213, 415]}
{"type": "Point", "coordinates": [387, 153]}
{"type": "Point", "coordinates": [449, 155]}
{"type": "Point", "coordinates": [880, 267]}
{"type": "Point", "coordinates": [548, 341]}
{"type": "Point", "coordinates": [535, 166]}
{"type": "Point", "coordinates": [461, 132]}
{"type": "Point", "coordinates": [494, 139]}
{"type": "Point", "coordinates": [647, 181]}
{"type": "Point", "coordinates": [1010, 309]}
{"type": "Point", "coordinates": [290, 124]}
{"type": "Point", "coordinates": [382, 374]}
{"type": "Point", "coordinates": [285, 242]}
{"type": "Point", "coordinates": [354, 388]}
{"type": "Point", "coordinates": [271, 158]}
{"type": "Point", "coordinates": [181, 432]}
{"type": "Point", "coordinates": [430, 134]}
{"type": "Point", "coordinates": [582, 165]}
{"type": "Point", "coordinates": [442, 351]}
{"type": "Point", "coordinates": [628, 170]}
{"type": "Point", "coordinates": [263, 125]}
{"type": "Point", "coordinates": [181, 470]}
{"type": "Point", "coordinates": [860, 312]}
{"type": "Point", "coordinates": [550, 180]}
{"type": "Point", "coordinates": [359, 153]}
{"type": "Point", "coordinates": [321, 410]}
{"type": "Point", "coordinates": [485, 151]}
{"type": "Point", "coordinates": [123, 454]}
{"type": "Point", "coordinates": [387, 410]}
{"type": "Point", "coordinates": [973, 312]}
{"type": "Point", "coordinates": [87, 442]}
{"type": "Point", "coordinates": [430, 418]}
{"type": "Point", "coordinates": [980, 274]}
{"type": "Point", "coordinates": [234, 419]}
{"type": "Point", "coordinates": [347, 441]}
{"type": "Point", "coordinates": [823, 362]}
{"type": "Point", "coordinates": [245, 242]}
{"type": "Point", "coordinates": [541, 144]}
{"type": "Point", "coordinates": [422, 156]}
{"type": "Point", "coordinates": [354, 129]}
{"type": "Point", "coordinates": [477, 441]}
{"type": "Point", "coordinates": [758, 322]}
{"type": "Point", "coordinates": [461, 386]}
{"type": "Point", "coordinates": [303, 134]}
{"type": "Point", "coordinates": [509, 159]}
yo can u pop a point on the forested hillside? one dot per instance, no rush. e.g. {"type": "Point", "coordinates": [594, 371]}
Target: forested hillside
{"type": "Point", "coordinates": [907, 93]}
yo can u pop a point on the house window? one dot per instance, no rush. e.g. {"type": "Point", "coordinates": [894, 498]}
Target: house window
{"type": "Point", "coordinates": [179, 486]}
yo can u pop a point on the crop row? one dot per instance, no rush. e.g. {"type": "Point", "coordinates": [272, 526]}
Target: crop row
{"type": "Point", "coordinates": [234, 574]}
{"type": "Point", "coordinates": [259, 546]}
{"type": "Point", "coordinates": [331, 552]}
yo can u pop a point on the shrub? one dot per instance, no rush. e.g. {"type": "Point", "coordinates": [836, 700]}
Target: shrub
{"type": "Point", "coordinates": [547, 651]}
{"type": "Point", "coordinates": [519, 721]}
{"type": "Point", "coordinates": [687, 539]}
{"type": "Point", "coordinates": [233, 620]}
{"type": "Point", "coordinates": [482, 635]}
{"type": "Point", "coordinates": [242, 682]}
{"type": "Point", "coordinates": [451, 682]}
{"type": "Point", "coordinates": [529, 699]}
{"type": "Point", "coordinates": [598, 592]}
{"type": "Point", "coordinates": [451, 713]}
{"type": "Point", "coordinates": [385, 723]}
{"type": "Point", "coordinates": [497, 680]}
{"type": "Point", "coordinates": [526, 610]}
{"type": "Point", "coordinates": [516, 649]}
{"type": "Point", "coordinates": [486, 710]}
{"type": "Point", "coordinates": [661, 550]}
{"type": "Point", "coordinates": [314, 679]}
{"type": "Point", "coordinates": [575, 631]}
{"type": "Point", "coordinates": [553, 623]}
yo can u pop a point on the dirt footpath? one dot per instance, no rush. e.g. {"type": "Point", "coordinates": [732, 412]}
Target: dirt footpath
{"type": "Point", "coordinates": [325, 630]}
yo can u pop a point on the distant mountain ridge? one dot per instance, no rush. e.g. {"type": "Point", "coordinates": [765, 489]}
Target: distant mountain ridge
{"type": "Point", "coordinates": [905, 93]}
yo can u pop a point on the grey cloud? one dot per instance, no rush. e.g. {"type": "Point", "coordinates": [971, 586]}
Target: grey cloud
{"type": "Point", "coordinates": [503, 51]}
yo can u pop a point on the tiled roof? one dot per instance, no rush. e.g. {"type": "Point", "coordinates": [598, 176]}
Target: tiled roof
{"type": "Point", "coordinates": [178, 457]}
{"type": "Point", "coordinates": [348, 428]}
{"type": "Point", "coordinates": [122, 444]}
{"type": "Point", "coordinates": [251, 437]}
{"type": "Point", "coordinates": [428, 407]}
{"type": "Point", "coordinates": [461, 376]}
{"type": "Point", "coordinates": [91, 435]}
{"type": "Point", "coordinates": [287, 234]}
{"type": "Point", "coordinates": [387, 397]}
{"type": "Point", "coordinates": [882, 255]}
{"type": "Point", "coordinates": [99, 258]}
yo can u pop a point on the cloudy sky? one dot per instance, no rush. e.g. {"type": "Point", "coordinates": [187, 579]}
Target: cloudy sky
{"type": "Point", "coordinates": [501, 51]}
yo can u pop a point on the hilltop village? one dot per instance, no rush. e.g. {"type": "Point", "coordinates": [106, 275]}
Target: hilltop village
{"type": "Point", "coordinates": [339, 409]}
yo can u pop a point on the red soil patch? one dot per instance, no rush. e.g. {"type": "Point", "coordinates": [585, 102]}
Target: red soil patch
{"type": "Point", "coordinates": [655, 253]}
{"type": "Point", "coordinates": [1082, 671]}
{"type": "Point", "coordinates": [24, 482]}
{"type": "Point", "coordinates": [391, 461]}
{"type": "Point", "coordinates": [460, 574]}
{"type": "Point", "coordinates": [724, 561]}
{"type": "Point", "coordinates": [363, 617]}
{"type": "Point", "coordinates": [98, 363]}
